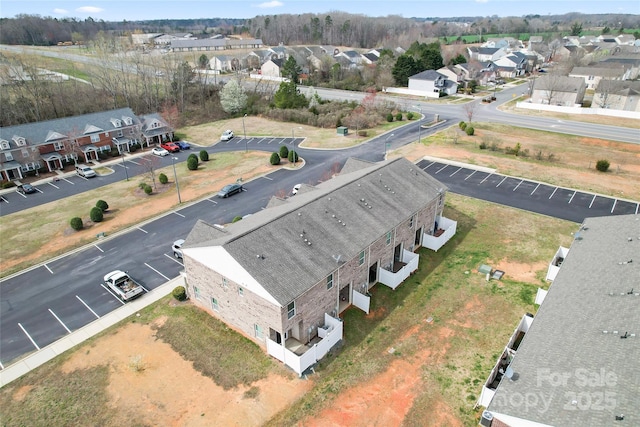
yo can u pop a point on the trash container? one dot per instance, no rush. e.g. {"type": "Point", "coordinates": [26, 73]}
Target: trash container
{"type": "Point", "coordinates": [343, 130]}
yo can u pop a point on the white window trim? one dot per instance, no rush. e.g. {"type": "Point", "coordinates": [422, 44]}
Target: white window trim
{"type": "Point", "coordinates": [291, 313]}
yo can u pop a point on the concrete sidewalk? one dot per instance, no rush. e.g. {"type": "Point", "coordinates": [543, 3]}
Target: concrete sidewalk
{"type": "Point", "coordinates": [40, 357]}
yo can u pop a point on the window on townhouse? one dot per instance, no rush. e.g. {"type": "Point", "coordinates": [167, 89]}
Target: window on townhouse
{"type": "Point", "coordinates": [119, 134]}
{"type": "Point", "coordinates": [58, 146]}
{"type": "Point", "coordinates": [291, 309]}
{"type": "Point", "coordinates": [4, 145]}
{"type": "Point", "coordinates": [361, 258]}
{"type": "Point", "coordinates": [21, 142]}
{"type": "Point", "coordinates": [24, 152]}
{"type": "Point", "coordinates": [258, 331]}
{"type": "Point", "coordinates": [224, 283]}
{"type": "Point", "coordinates": [196, 292]}
{"type": "Point", "coordinates": [330, 281]}
{"type": "Point", "coordinates": [214, 304]}
{"type": "Point", "coordinates": [95, 137]}
{"type": "Point", "coordinates": [8, 157]}
{"type": "Point", "coordinates": [241, 292]}
{"type": "Point", "coordinates": [388, 237]}
{"type": "Point", "coordinates": [411, 221]}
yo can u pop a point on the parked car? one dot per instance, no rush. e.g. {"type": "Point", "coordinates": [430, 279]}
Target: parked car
{"type": "Point", "coordinates": [26, 189]}
{"type": "Point", "coordinates": [177, 248]}
{"type": "Point", "coordinates": [226, 135]}
{"type": "Point", "coordinates": [295, 190]}
{"type": "Point", "coordinates": [183, 145]}
{"type": "Point", "coordinates": [170, 147]}
{"type": "Point", "coordinates": [230, 190]}
{"type": "Point", "coordinates": [159, 151]}
{"type": "Point", "coordinates": [85, 171]}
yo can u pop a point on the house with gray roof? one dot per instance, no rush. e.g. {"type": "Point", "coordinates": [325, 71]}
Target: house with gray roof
{"type": "Point", "coordinates": [617, 95]}
{"type": "Point", "coordinates": [52, 144]}
{"type": "Point", "coordinates": [593, 74]}
{"type": "Point", "coordinates": [433, 84]}
{"type": "Point", "coordinates": [554, 89]}
{"type": "Point", "coordinates": [283, 275]}
{"type": "Point", "coordinates": [577, 365]}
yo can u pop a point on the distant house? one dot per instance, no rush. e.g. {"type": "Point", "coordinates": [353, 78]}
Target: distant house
{"type": "Point", "coordinates": [554, 89]}
{"type": "Point", "coordinates": [166, 39]}
{"type": "Point", "coordinates": [154, 129]}
{"type": "Point", "coordinates": [617, 95]}
{"type": "Point", "coordinates": [191, 45]}
{"type": "Point", "coordinates": [452, 73]}
{"type": "Point", "coordinates": [223, 63]}
{"type": "Point", "coordinates": [353, 56]}
{"type": "Point", "coordinates": [593, 74]}
{"type": "Point", "coordinates": [432, 83]}
{"type": "Point", "coordinates": [630, 62]}
{"type": "Point", "coordinates": [512, 65]}
{"type": "Point", "coordinates": [272, 68]}
{"type": "Point", "coordinates": [484, 54]}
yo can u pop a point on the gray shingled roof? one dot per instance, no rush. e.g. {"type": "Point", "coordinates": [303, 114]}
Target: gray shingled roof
{"type": "Point", "coordinates": [36, 133]}
{"type": "Point", "coordinates": [271, 246]}
{"type": "Point", "coordinates": [589, 295]}
{"type": "Point", "coordinates": [431, 75]}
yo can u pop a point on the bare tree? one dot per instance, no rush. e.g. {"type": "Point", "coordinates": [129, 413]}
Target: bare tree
{"type": "Point", "coordinates": [604, 93]}
{"type": "Point", "coordinates": [150, 165]}
{"type": "Point", "coordinates": [470, 109]}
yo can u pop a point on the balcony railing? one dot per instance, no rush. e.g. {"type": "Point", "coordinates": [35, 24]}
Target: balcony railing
{"type": "Point", "coordinates": [395, 276]}
{"type": "Point", "coordinates": [445, 231]}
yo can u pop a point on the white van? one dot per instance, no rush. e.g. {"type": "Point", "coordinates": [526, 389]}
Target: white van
{"type": "Point", "coordinates": [85, 171]}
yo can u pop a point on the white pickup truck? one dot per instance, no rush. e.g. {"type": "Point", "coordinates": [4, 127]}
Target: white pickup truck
{"type": "Point", "coordinates": [123, 285]}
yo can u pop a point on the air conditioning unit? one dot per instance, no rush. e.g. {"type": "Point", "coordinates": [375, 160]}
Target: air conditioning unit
{"type": "Point", "coordinates": [486, 419]}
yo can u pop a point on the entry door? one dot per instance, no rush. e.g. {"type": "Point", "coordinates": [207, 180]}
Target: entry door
{"type": "Point", "coordinates": [373, 273]}
{"type": "Point", "coordinates": [418, 240]}
{"type": "Point", "coordinates": [397, 253]}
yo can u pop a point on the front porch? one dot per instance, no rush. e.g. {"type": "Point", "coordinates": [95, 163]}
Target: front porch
{"type": "Point", "coordinates": [299, 356]}
{"type": "Point", "coordinates": [442, 232]}
{"type": "Point", "coordinates": [398, 272]}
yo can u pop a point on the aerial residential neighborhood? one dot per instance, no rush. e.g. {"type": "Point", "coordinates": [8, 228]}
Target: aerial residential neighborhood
{"type": "Point", "coordinates": [367, 215]}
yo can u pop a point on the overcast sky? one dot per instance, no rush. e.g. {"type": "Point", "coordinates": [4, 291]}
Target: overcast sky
{"type": "Point", "coordinates": [117, 10]}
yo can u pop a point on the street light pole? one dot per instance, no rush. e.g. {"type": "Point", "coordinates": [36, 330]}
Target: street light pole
{"type": "Point", "coordinates": [420, 125]}
{"type": "Point", "coordinates": [124, 166]}
{"type": "Point", "coordinates": [175, 177]}
{"type": "Point", "coordinates": [245, 134]}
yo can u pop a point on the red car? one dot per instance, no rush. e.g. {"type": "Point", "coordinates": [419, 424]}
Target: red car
{"type": "Point", "coordinates": [171, 147]}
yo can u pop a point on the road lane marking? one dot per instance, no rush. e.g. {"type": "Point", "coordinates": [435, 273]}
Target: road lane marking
{"type": "Point", "coordinates": [501, 182]}
{"type": "Point", "coordinates": [470, 175]}
{"type": "Point", "coordinates": [98, 247]}
{"type": "Point", "coordinates": [179, 214]}
{"type": "Point", "coordinates": [521, 181]}
{"type": "Point", "coordinates": [554, 192]}
{"type": "Point", "coordinates": [173, 258]}
{"type": "Point", "coordinates": [58, 319]}
{"type": "Point", "coordinates": [88, 308]}
{"type": "Point", "coordinates": [53, 185]}
{"type": "Point", "coordinates": [485, 178]}
{"type": "Point", "coordinates": [47, 267]}
{"type": "Point", "coordinates": [637, 206]}
{"type": "Point", "coordinates": [614, 205]}
{"type": "Point", "coordinates": [571, 198]}
{"type": "Point", "coordinates": [28, 336]}
{"type": "Point", "coordinates": [144, 231]}
{"type": "Point", "coordinates": [166, 278]}
{"type": "Point", "coordinates": [455, 172]}
{"type": "Point", "coordinates": [592, 200]}
{"type": "Point", "coordinates": [112, 294]}
{"type": "Point", "coordinates": [534, 190]}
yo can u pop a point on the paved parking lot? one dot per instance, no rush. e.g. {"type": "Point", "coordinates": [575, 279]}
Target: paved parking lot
{"type": "Point", "coordinates": [559, 202]}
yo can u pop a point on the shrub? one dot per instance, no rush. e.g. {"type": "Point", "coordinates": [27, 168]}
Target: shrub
{"type": "Point", "coordinates": [76, 223]}
{"type": "Point", "coordinates": [362, 133]}
{"type": "Point", "coordinates": [236, 219]}
{"type": "Point", "coordinates": [293, 156]}
{"type": "Point", "coordinates": [148, 189]}
{"type": "Point", "coordinates": [142, 185]}
{"type": "Point", "coordinates": [410, 115]}
{"type": "Point", "coordinates": [399, 117]}
{"type": "Point", "coordinates": [483, 145]}
{"type": "Point", "coordinates": [469, 130]}
{"type": "Point", "coordinates": [602, 165]}
{"type": "Point", "coordinates": [275, 159]}
{"type": "Point", "coordinates": [204, 155]}
{"type": "Point", "coordinates": [96, 214]}
{"type": "Point", "coordinates": [462, 125]}
{"type": "Point", "coordinates": [389, 117]}
{"type": "Point", "coordinates": [104, 206]}
{"type": "Point", "coordinates": [8, 184]}
{"type": "Point", "coordinates": [163, 178]}
{"type": "Point", "coordinates": [133, 148]}
{"type": "Point", "coordinates": [192, 163]}
{"type": "Point", "coordinates": [284, 152]}
{"type": "Point", "coordinates": [192, 155]}
{"type": "Point", "coordinates": [179, 293]}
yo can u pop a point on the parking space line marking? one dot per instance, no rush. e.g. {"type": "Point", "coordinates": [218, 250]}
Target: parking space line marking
{"type": "Point", "coordinates": [485, 178]}
{"type": "Point", "coordinates": [144, 231]}
{"type": "Point", "coordinates": [58, 319]}
{"type": "Point", "coordinates": [571, 198]}
{"type": "Point", "coordinates": [441, 169]}
{"type": "Point", "coordinates": [614, 205]}
{"type": "Point", "coordinates": [135, 163]}
{"type": "Point", "coordinates": [47, 267]}
{"type": "Point", "coordinates": [534, 190]}
{"type": "Point", "coordinates": [501, 182]}
{"type": "Point", "coordinates": [166, 278]}
{"type": "Point", "coordinates": [88, 308]}
{"type": "Point", "coordinates": [53, 185]}
{"type": "Point", "coordinates": [3, 199]}
{"type": "Point", "coordinates": [455, 172]}
{"type": "Point", "coordinates": [172, 258]}
{"type": "Point", "coordinates": [98, 247]}
{"type": "Point", "coordinates": [521, 181]}
{"type": "Point", "coordinates": [1, 365]}
{"type": "Point", "coordinates": [428, 166]}
{"type": "Point", "coordinates": [39, 190]}
{"type": "Point", "coordinates": [65, 179]}
{"type": "Point", "coordinates": [179, 214]}
{"type": "Point", "coordinates": [21, 195]}
{"type": "Point", "coordinates": [469, 176]}
{"type": "Point", "coordinates": [592, 200]}
{"type": "Point", "coordinates": [269, 178]}
{"type": "Point", "coordinates": [212, 201]}
{"type": "Point", "coordinates": [112, 294]}
{"type": "Point", "coordinates": [554, 192]}
{"type": "Point", "coordinates": [28, 336]}
{"type": "Point", "coordinates": [637, 206]}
